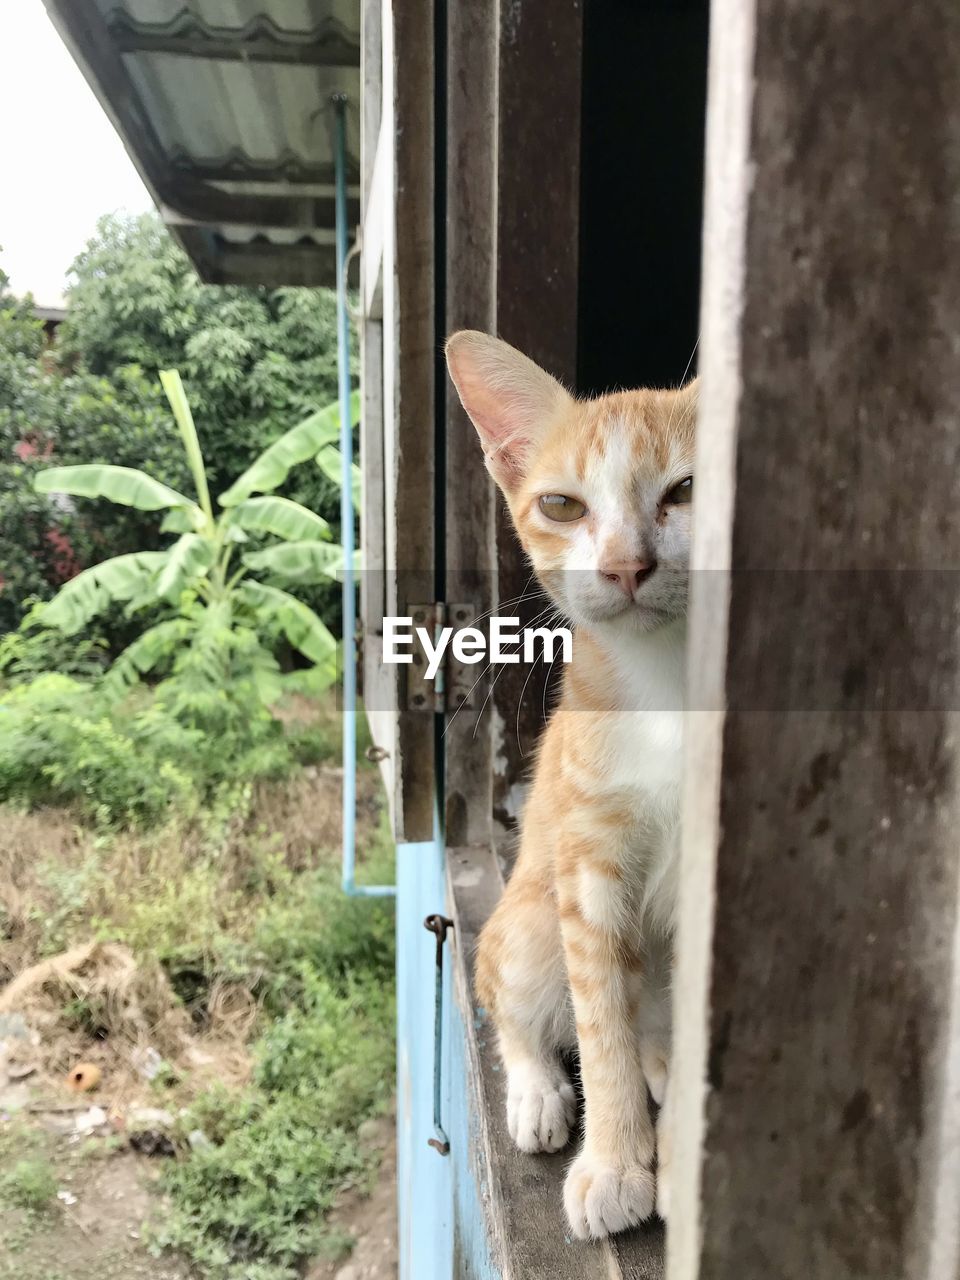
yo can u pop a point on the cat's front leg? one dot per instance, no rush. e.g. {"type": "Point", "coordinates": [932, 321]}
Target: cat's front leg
{"type": "Point", "coordinates": [522, 983]}
{"type": "Point", "coordinates": [655, 1058]}
{"type": "Point", "coordinates": [610, 1186]}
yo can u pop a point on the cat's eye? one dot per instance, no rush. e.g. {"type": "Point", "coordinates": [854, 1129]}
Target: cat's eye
{"type": "Point", "coordinates": [557, 506]}
{"type": "Point", "coordinates": [680, 493]}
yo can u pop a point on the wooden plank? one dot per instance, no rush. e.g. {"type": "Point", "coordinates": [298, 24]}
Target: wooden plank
{"type": "Point", "coordinates": [371, 101]}
{"type": "Point", "coordinates": [470, 303]}
{"type": "Point", "coordinates": [379, 688]}
{"type": "Point", "coordinates": [377, 210]}
{"type": "Point", "coordinates": [522, 1194]}
{"type": "Point", "coordinates": [379, 684]}
{"type": "Point", "coordinates": [537, 262]}
{"type": "Point", "coordinates": [727, 182]}
{"type": "Point", "coordinates": [822, 809]}
{"type": "Point", "coordinates": [409, 372]}
{"type": "Point", "coordinates": [376, 160]}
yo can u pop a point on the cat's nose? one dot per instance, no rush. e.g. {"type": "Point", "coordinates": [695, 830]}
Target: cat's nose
{"type": "Point", "coordinates": [628, 576]}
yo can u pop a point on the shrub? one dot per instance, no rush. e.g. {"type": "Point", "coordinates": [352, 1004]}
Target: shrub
{"type": "Point", "coordinates": [254, 1201]}
{"type": "Point", "coordinates": [30, 1184]}
{"type": "Point", "coordinates": [60, 744]}
{"type": "Point", "coordinates": [223, 620]}
{"type": "Point", "coordinates": [34, 650]}
{"type": "Point", "coordinates": [133, 762]}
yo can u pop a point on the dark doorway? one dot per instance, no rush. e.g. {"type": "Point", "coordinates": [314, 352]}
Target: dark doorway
{"type": "Point", "coordinates": [641, 199]}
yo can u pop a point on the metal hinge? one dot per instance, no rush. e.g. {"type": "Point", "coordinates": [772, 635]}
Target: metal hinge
{"type": "Point", "coordinates": [453, 685]}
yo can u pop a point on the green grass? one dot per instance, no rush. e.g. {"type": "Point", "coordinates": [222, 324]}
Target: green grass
{"type": "Point", "coordinates": [245, 893]}
{"type": "Point", "coordinates": [30, 1184]}
{"type": "Point", "coordinates": [253, 1203]}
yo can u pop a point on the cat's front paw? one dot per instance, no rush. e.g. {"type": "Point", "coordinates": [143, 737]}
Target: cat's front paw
{"type": "Point", "coordinates": [602, 1197]}
{"type": "Point", "coordinates": [541, 1109]}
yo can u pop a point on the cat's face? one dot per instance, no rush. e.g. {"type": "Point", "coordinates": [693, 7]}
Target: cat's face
{"type": "Point", "coordinates": [600, 491]}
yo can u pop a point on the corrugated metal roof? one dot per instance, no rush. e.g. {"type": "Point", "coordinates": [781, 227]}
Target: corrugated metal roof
{"type": "Point", "coordinates": [225, 107]}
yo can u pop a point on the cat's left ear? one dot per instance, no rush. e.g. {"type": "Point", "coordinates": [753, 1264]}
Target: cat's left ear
{"type": "Point", "coordinates": [509, 399]}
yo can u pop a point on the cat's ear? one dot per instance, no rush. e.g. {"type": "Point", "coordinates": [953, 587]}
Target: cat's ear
{"type": "Point", "coordinates": [510, 400]}
{"type": "Point", "coordinates": [689, 396]}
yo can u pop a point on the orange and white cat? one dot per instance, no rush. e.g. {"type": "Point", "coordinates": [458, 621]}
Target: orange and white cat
{"type": "Point", "coordinates": [578, 953]}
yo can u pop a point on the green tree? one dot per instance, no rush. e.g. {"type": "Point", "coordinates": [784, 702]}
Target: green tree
{"type": "Point", "coordinates": [77, 418]}
{"type": "Point", "coordinates": [254, 359]}
{"type": "Point", "coordinates": [30, 562]}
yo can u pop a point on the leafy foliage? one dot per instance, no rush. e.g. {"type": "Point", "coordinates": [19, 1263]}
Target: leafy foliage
{"type": "Point", "coordinates": [61, 745]}
{"type": "Point", "coordinates": [255, 361]}
{"type": "Point", "coordinates": [78, 417]}
{"type": "Point", "coordinates": [214, 641]}
{"type": "Point", "coordinates": [253, 1202]}
{"type": "Point", "coordinates": [34, 650]}
{"type": "Point", "coordinates": [30, 1184]}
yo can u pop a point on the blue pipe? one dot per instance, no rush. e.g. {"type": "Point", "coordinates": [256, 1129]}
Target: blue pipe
{"type": "Point", "coordinates": [346, 530]}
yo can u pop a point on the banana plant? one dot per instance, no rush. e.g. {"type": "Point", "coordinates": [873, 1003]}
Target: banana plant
{"type": "Point", "coordinates": [225, 590]}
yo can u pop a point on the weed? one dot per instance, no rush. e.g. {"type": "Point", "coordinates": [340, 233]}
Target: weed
{"type": "Point", "coordinates": [30, 1184]}
{"type": "Point", "coordinates": [283, 1148]}
{"type": "Point", "coordinates": [232, 914]}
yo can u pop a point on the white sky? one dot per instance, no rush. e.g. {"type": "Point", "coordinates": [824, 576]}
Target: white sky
{"type": "Point", "coordinates": [62, 163]}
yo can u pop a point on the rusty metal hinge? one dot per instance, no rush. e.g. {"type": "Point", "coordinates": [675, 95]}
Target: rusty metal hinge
{"type": "Point", "coordinates": [453, 686]}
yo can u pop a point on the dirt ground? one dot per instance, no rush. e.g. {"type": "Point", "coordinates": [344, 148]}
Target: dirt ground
{"type": "Point", "coordinates": [96, 1238]}
{"type": "Point", "coordinates": [94, 1229]}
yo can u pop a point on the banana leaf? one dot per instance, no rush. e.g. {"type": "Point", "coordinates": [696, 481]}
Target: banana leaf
{"type": "Point", "coordinates": [189, 557]}
{"type": "Point", "coordinates": [123, 485]}
{"type": "Point", "coordinates": [299, 444]}
{"type": "Point", "coordinates": [329, 460]}
{"type": "Point", "coordinates": [300, 562]}
{"type": "Point", "coordinates": [281, 517]}
{"type": "Point", "coordinates": [173, 388]}
{"type": "Point", "coordinates": [298, 623]}
{"type": "Point", "coordinates": [90, 592]}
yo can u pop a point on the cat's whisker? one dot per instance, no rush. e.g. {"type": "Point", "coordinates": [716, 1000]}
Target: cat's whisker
{"type": "Point", "coordinates": [690, 361]}
{"type": "Point", "coordinates": [493, 685]}
{"type": "Point", "coordinates": [474, 685]}
{"type": "Point", "coordinates": [551, 621]}
{"type": "Point", "coordinates": [533, 668]}
{"type": "Point", "coordinates": [546, 686]}
{"type": "Point", "coordinates": [465, 701]}
{"type": "Point", "coordinates": [506, 604]}
{"type": "Point", "coordinates": [502, 605]}
{"type": "Point", "coordinates": [533, 622]}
